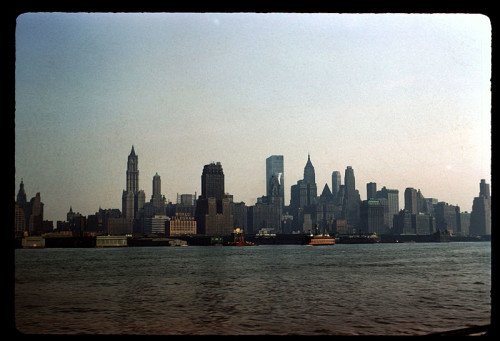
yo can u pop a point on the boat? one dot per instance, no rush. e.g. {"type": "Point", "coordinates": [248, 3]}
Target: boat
{"type": "Point", "coordinates": [322, 240]}
{"type": "Point", "coordinates": [239, 239]}
{"type": "Point", "coordinates": [318, 239]}
{"type": "Point", "coordinates": [358, 239]}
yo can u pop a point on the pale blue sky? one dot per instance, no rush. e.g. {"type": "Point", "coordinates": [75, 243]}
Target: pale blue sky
{"type": "Point", "coordinates": [403, 99]}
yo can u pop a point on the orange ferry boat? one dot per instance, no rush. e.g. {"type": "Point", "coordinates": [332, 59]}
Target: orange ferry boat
{"type": "Point", "coordinates": [320, 239]}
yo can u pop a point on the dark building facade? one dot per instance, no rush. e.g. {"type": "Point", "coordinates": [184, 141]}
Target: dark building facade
{"type": "Point", "coordinates": [213, 209]}
{"type": "Point", "coordinates": [411, 200]}
{"type": "Point", "coordinates": [480, 218]}
{"type": "Point", "coordinates": [352, 199]}
{"type": "Point", "coordinates": [391, 199]}
{"type": "Point", "coordinates": [447, 217]}
{"type": "Point", "coordinates": [325, 211]}
{"type": "Point", "coordinates": [371, 190]}
{"type": "Point", "coordinates": [157, 199]}
{"type": "Point", "coordinates": [304, 197]}
{"type": "Point", "coordinates": [372, 217]}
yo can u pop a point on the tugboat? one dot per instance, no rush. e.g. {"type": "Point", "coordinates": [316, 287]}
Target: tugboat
{"type": "Point", "coordinates": [318, 239]}
{"type": "Point", "coordinates": [239, 239]}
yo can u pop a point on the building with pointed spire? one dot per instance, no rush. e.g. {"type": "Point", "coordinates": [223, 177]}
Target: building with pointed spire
{"type": "Point", "coordinates": [325, 210]}
{"type": "Point", "coordinates": [24, 211]}
{"type": "Point", "coordinates": [304, 197]}
{"type": "Point", "coordinates": [132, 198]}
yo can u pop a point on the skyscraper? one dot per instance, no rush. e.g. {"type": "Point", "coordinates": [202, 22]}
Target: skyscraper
{"type": "Point", "coordinates": [349, 181]}
{"type": "Point", "coordinates": [304, 197]}
{"type": "Point", "coordinates": [411, 200]}
{"type": "Point", "coordinates": [336, 179]}
{"type": "Point", "coordinates": [36, 217]}
{"type": "Point", "coordinates": [392, 196]}
{"type": "Point", "coordinates": [352, 199]}
{"type": "Point", "coordinates": [309, 174]}
{"type": "Point", "coordinates": [24, 206]}
{"type": "Point", "coordinates": [480, 218]}
{"type": "Point", "coordinates": [132, 198]}
{"type": "Point", "coordinates": [132, 172]}
{"type": "Point", "coordinates": [275, 167]}
{"type": "Point", "coordinates": [304, 193]}
{"type": "Point", "coordinates": [157, 198]}
{"type": "Point", "coordinates": [213, 209]}
{"type": "Point", "coordinates": [212, 181]}
{"type": "Point", "coordinates": [371, 190]}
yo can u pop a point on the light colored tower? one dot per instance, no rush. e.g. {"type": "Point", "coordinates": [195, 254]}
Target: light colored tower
{"type": "Point", "coordinates": [335, 183]}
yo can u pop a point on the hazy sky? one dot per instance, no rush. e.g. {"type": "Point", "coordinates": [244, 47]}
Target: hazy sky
{"type": "Point", "coordinates": [403, 99]}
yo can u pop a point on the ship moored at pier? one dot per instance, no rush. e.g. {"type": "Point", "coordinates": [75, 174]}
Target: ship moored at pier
{"type": "Point", "coordinates": [318, 239]}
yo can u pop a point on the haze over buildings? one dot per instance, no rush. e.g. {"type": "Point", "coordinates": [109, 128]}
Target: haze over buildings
{"type": "Point", "coordinates": [402, 99]}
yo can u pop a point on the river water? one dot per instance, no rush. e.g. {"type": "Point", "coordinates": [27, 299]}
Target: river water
{"type": "Point", "coordinates": [363, 289]}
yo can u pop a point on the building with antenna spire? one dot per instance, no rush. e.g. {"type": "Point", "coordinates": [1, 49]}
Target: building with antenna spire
{"type": "Point", "coordinates": [132, 198]}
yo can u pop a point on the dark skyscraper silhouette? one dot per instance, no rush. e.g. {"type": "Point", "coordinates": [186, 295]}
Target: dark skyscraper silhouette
{"type": "Point", "coordinates": [213, 209]}
{"type": "Point", "coordinates": [303, 198]}
{"type": "Point", "coordinates": [309, 174]}
{"type": "Point", "coordinates": [352, 199]}
{"type": "Point", "coordinates": [156, 197]}
{"type": "Point", "coordinates": [304, 193]}
{"type": "Point", "coordinates": [371, 190]}
{"type": "Point", "coordinates": [212, 181]}
{"type": "Point", "coordinates": [411, 200]}
{"type": "Point", "coordinates": [480, 218]}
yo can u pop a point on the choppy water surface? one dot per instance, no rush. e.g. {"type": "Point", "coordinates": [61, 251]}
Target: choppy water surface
{"type": "Point", "coordinates": [389, 289]}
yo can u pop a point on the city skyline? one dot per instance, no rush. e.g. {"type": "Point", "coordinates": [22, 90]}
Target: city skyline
{"type": "Point", "coordinates": [403, 99]}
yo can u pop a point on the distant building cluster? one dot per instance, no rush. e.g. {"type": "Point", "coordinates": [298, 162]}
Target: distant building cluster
{"type": "Point", "coordinates": [339, 210]}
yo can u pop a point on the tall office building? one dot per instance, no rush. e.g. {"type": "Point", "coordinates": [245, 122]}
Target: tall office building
{"type": "Point", "coordinates": [304, 197]}
{"type": "Point", "coordinates": [304, 193]}
{"type": "Point", "coordinates": [392, 196]}
{"type": "Point", "coordinates": [411, 200]}
{"type": "Point", "coordinates": [349, 181]}
{"type": "Point", "coordinates": [336, 179]}
{"type": "Point", "coordinates": [484, 191]}
{"type": "Point", "coordinates": [447, 217]}
{"type": "Point", "coordinates": [212, 181]}
{"type": "Point", "coordinates": [213, 209]}
{"type": "Point", "coordinates": [372, 217]}
{"type": "Point", "coordinates": [36, 217]}
{"type": "Point", "coordinates": [132, 198]}
{"type": "Point", "coordinates": [352, 199]}
{"type": "Point", "coordinates": [24, 206]}
{"type": "Point", "coordinates": [371, 190]}
{"type": "Point", "coordinates": [309, 174]}
{"type": "Point", "coordinates": [480, 217]}
{"type": "Point", "coordinates": [156, 197]}
{"type": "Point", "coordinates": [275, 167]}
